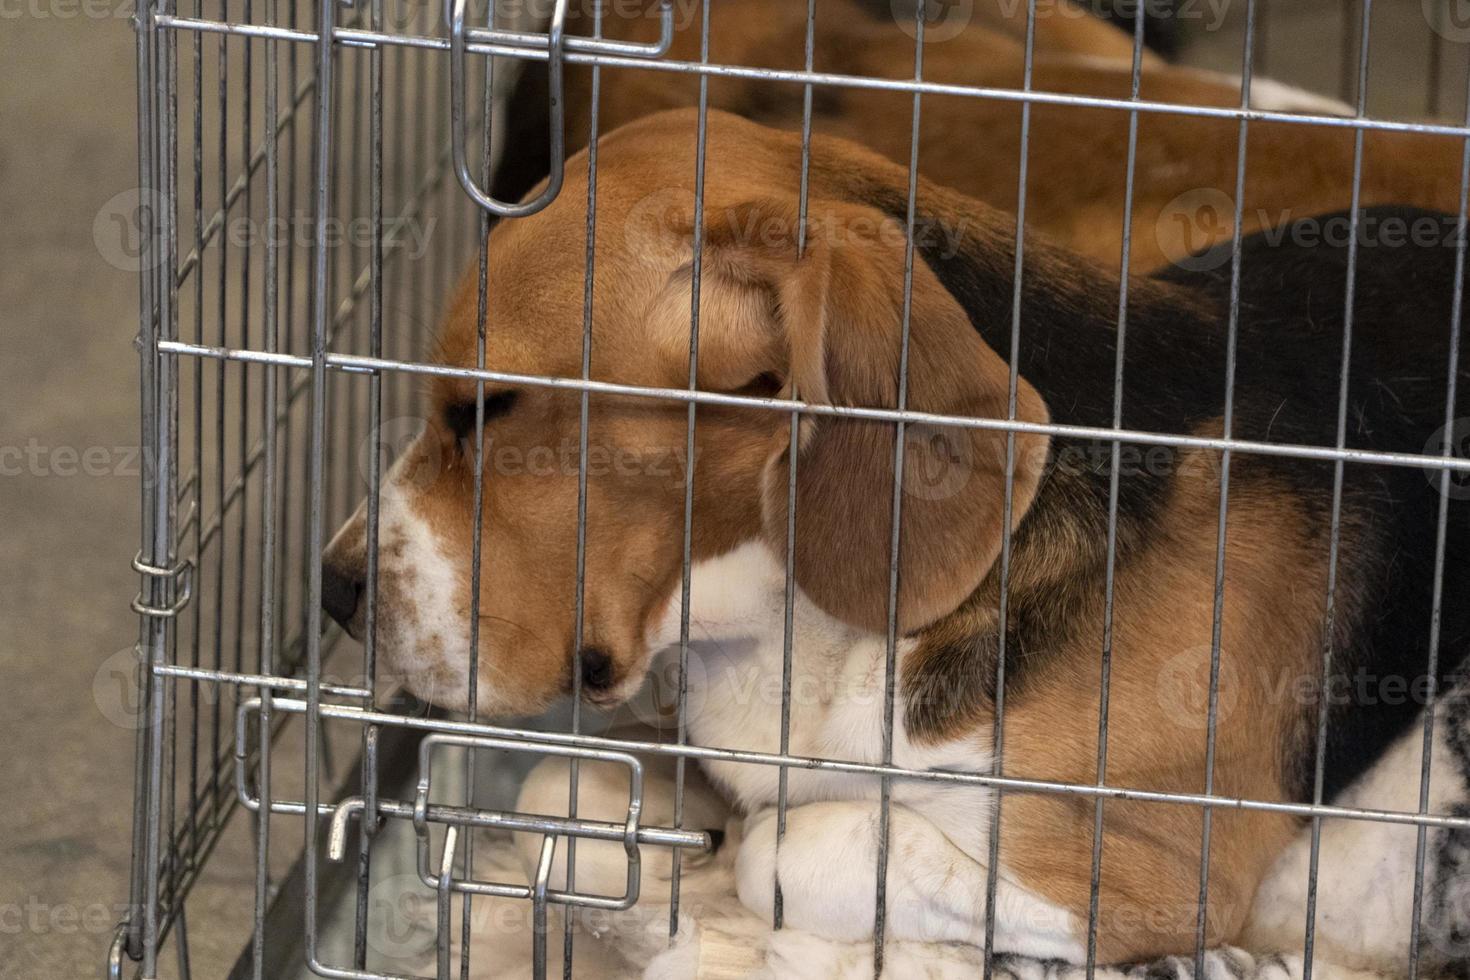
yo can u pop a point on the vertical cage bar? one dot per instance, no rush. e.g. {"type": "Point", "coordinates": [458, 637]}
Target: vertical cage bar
{"type": "Point", "coordinates": [168, 70]}
{"type": "Point", "coordinates": [1434, 72]}
{"type": "Point", "coordinates": [197, 488]}
{"type": "Point", "coordinates": [1105, 670]}
{"type": "Point", "coordinates": [1217, 613]}
{"type": "Point", "coordinates": [293, 83]}
{"type": "Point", "coordinates": [320, 293]}
{"type": "Point", "coordinates": [369, 821]}
{"type": "Point", "coordinates": [579, 601]}
{"type": "Point", "coordinates": [1350, 42]}
{"type": "Point", "coordinates": [242, 421]}
{"type": "Point", "coordinates": [1013, 381]}
{"type": "Point", "coordinates": [140, 929]}
{"type": "Point", "coordinates": [793, 438]}
{"type": "Point", "coordinates": [267, 665]}
{"type": "Point", "coordinates": [696, 280]}
{"type": "Point", "coordinates": [1335, 527]}
{"type": "Point", "coordinates": [1446, 451]}
{"type": "Point", "coordinates": [477, 534]}
{"type": "Point", "coordinates": [445, 898]}
{"type": "Point", "coordinates": [221, 325]}
{"type": "Point", "coordinates": [159, 318]}
{"type": "Point", "coordinates": [890, 654]}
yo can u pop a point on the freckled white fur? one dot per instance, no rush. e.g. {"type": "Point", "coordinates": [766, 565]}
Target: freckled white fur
{"type": "Point", "coordinates": [938, 834]}
{"type": "Point", "coordinates": [424, 638]}
{"type": "Point", "coordinates": [1366, 870]}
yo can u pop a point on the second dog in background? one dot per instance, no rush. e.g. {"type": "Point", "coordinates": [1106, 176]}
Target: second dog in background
{"type": "Point", "coordinates": [1184, 176]}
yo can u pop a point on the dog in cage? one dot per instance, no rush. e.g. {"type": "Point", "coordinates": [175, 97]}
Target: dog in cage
{"type": "Point", "coordinates": [827, 324]}
{"type": "Point", "coordinates": [1264, 532]}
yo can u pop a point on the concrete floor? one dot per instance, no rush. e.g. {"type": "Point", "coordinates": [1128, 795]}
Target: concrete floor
{"type": "Point", "coordinates": [68, 375]}
{"type": "Point", "coordinates": [69, 470]}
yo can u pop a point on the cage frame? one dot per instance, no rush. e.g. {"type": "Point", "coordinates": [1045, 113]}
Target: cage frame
{"type": "Point", "coordinates": [168, 572]}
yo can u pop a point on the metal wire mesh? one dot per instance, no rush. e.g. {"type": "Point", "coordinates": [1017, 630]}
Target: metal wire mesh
{"type": "Point", "coordinates": [299, 166]}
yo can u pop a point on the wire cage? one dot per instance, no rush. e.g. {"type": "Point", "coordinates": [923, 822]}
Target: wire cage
{"type": "Point", "coordinates": [314, 180]}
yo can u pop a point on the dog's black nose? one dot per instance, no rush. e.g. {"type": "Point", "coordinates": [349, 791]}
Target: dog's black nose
{"type": "Point", "coordinates": [340, 594]}
{"type": "Point", "coordinates": [597, 669]}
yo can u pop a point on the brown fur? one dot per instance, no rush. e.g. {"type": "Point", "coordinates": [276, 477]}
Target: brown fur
{"type": "Point", "coordinates": [1185, 173]}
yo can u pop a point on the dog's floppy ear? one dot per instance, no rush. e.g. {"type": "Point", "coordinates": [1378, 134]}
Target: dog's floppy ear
{"type": "Point", "coordinates": [827, 323]}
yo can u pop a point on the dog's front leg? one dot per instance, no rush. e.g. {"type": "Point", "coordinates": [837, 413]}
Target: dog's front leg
{"type": "Point", "coordinates": [827, 869]}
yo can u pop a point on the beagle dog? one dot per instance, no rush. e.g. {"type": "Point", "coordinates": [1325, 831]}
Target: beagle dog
{"type": "Point", "coordinates": [1003, 541]}
{"type": "Point", "coordinates": [1184, 184]}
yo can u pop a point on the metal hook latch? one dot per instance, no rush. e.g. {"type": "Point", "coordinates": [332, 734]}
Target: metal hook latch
{"type": "Point", "coordinates": [516, 44]}
{"type": "Point", "coordinates": [182, 578]}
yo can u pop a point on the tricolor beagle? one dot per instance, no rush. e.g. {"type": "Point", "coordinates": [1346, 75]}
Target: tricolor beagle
{"type": "Point", "coordinates": [825, 325]}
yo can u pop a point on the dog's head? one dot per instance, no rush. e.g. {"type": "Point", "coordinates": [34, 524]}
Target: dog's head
{"type": "Point", "coordinates": [820, 319]}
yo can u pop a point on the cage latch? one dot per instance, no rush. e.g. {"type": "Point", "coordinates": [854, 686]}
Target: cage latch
{"type": "Point", "coordinates": [439, 875]}
{"type": "Point", "coordinates": [515, 44]}
{"type": "Point", "coordinates": [177, 587]}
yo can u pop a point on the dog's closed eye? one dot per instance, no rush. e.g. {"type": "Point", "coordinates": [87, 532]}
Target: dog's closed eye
{"type": "Point", "coordinates": [767, 384]}
{"type": "Point", "coordinates": [459, 417]}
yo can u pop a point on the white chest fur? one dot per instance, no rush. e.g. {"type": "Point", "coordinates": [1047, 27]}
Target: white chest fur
{"type": "Point", "coordinates": [938, 833]}
{"type": "Point", "coordinates": [736, 654]}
